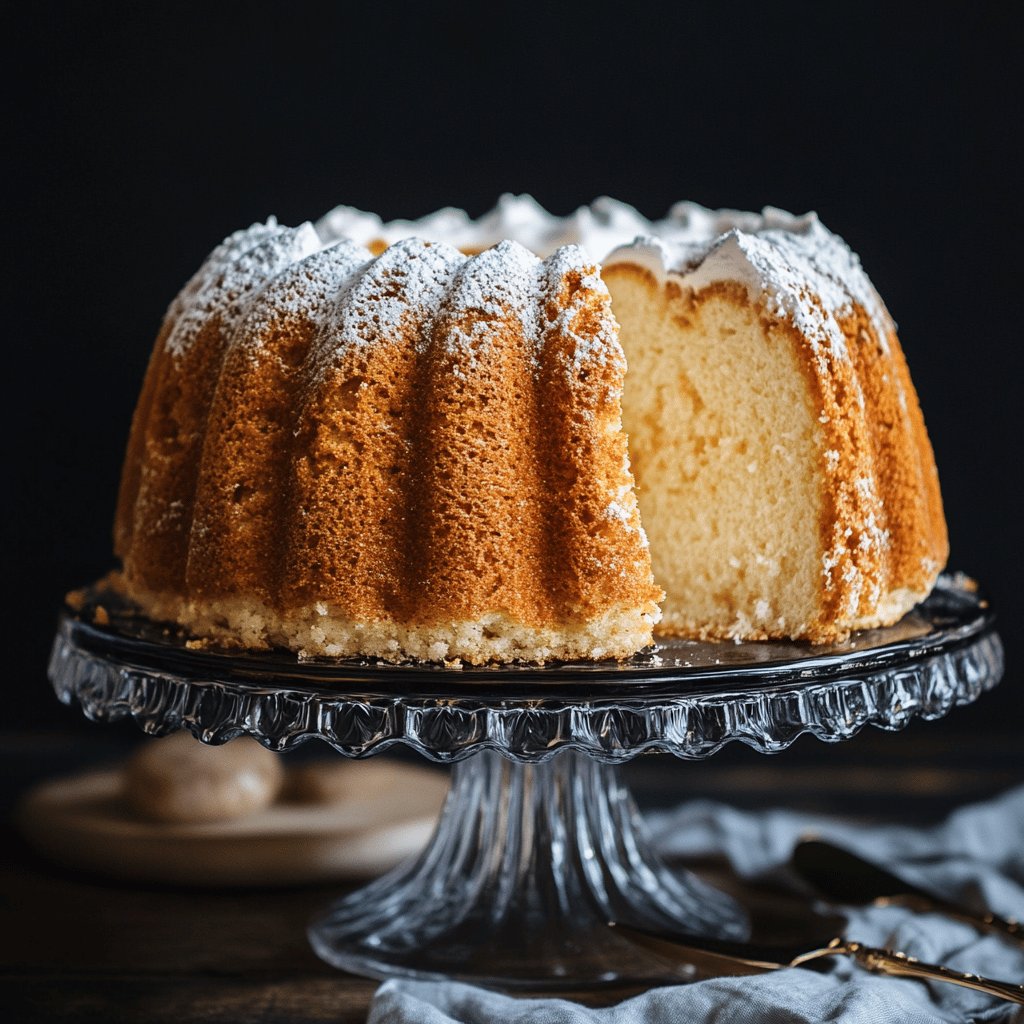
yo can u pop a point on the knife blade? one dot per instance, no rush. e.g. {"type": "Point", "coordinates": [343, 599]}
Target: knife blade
{"type": "Point", "coordinates": [845, 877]}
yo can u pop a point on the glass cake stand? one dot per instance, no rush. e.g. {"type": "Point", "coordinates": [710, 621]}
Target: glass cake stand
{"type": "Point", "coordinates": [539, 844]}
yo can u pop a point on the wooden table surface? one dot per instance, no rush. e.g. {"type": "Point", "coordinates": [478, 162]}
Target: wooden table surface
{"type": "Point", "coordinates": [79, 949]}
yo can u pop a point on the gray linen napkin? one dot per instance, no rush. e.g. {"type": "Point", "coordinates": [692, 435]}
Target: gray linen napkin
{"type": "Point", "coordinates": [976, 856]}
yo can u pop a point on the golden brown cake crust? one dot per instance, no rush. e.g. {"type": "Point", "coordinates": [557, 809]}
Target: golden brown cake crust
{"type": "Point", "coordinates": [889, 539]}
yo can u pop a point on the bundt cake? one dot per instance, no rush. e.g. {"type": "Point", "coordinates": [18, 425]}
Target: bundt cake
{"type": "Point", "coordinates": [405, 440]}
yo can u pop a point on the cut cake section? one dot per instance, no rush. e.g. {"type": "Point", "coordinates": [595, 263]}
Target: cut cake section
{"type": "Point", "coordinates": [784, 475]}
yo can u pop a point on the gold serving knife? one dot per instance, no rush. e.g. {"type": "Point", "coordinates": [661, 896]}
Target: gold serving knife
{"type": "Point", "coordinates": [844, 877]}
{"type": "Point", "coordinates": [716, 958]}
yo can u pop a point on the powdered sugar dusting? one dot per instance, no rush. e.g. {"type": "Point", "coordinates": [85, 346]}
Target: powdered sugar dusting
{"type": "Point", "coordinates": [228, 250]}
{"type": "Point", "coordinates": [800, 270]}
{"type": "Point", "coordinates": [346, 222]}
{"type": "Point", "coordinates": [306, 289]}
{"type": "Point", "coordinates": [568, 269]}
{"type": "Point", "coordinates": [397, 290]}
{"type": "Point", "coordinates": [598, 228]}
{"type": "Point", "coordinates": [499, 283]}
{"type": "Point", "coordinates": [227, 286]}
{"type": "Point", "coordinates": [268, 274]}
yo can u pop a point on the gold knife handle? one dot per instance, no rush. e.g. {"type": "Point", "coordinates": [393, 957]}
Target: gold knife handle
{"type": "Point", "coordinates": [923, 905]}
{"type": "Point", "coordinates": [885, 961]}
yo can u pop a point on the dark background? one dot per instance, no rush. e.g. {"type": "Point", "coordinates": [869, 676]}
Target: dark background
{"type": "Point", "coordinates": [138, 138]}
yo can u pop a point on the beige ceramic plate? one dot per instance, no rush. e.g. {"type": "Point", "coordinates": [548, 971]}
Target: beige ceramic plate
{"type": "Point", "coordinates": [82, 822]}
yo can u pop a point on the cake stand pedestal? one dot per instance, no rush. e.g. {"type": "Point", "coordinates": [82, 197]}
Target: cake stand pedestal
{"type": "Point", "coordinates": [539, 844]}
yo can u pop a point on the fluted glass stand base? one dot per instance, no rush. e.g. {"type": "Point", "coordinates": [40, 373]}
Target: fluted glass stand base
{"type": "Point", "coordinates": [527, 866]}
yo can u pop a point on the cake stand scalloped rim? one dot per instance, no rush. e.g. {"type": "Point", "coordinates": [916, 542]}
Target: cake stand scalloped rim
{"type": "Point", "coordinates": [767, 718]}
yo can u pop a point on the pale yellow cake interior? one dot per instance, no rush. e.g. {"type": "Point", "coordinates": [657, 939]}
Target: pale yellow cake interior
{"type": "Point", "coordinates": [724, 443]}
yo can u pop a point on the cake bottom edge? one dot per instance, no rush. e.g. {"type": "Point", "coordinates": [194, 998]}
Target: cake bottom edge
{"type": "Point", "coordinates": [321, 629]}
